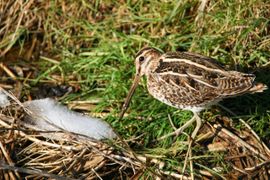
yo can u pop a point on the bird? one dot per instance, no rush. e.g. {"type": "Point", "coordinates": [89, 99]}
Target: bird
{"type": "Point", "coordinates": [188, 81]}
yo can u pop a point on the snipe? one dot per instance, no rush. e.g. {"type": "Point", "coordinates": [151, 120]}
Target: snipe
{"type": "Point", "coordinates": [188, 81]}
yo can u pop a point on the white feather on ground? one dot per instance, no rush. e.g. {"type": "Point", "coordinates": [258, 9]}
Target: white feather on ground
{"type": "Point", "coordinates": [47, 114]}
{"type": "Point", "coordinates": [3, 99]}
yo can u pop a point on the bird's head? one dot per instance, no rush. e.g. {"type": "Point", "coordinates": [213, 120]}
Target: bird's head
{"type": "Point", "coordinates": [143, 60]}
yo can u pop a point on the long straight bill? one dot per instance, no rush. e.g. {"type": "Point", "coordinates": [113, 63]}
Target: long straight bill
{"type": "Point", "coordinates": [130, 93]}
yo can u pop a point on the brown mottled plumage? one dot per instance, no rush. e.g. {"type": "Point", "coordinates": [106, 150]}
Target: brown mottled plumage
{"type": "Point", "coordinates": [189, 81]}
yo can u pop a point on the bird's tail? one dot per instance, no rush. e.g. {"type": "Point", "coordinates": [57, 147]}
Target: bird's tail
{"type": "Point", "coordinates": [258, 87]}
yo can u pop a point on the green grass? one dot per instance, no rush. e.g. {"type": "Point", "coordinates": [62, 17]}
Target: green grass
{"type": "Point", "coordinates": [97, 44]}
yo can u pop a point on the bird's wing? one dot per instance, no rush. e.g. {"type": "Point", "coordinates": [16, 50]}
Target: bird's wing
{"type": "Point", "coordinates": [202, 76]}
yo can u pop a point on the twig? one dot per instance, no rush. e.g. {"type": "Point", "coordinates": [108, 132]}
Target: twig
{"type": "Point", "coordinates": [9, 161]}
{"type": "Point", "coordinates": [31, 171]}
{"type": "Point", "coordinates": [175, 175]}
{"type": "Point", "coordinates": [191, 165]}
{"type": "Point", "coordinates": [49, 60]}
{"type": "Point", "coordinates": [76, 160]}
{"type": "Point", "coordinates": [9, 72]}
{"type": "Point", "coordinates": [248, 127]}
{"type": "Point", "coordinates": [257, 166]}
{"type": "Point", "coordinates": [238, 140]}
{"type": "Point", "coordinates": [239, 170]}
{"type": "Point", "coordinates": [187, 154]}
{"type": "Point", "coordinates": [256, 136]}
{"type": "Point", "coordinates": [160, 163]}
{"type": "Point", "coordinates": [14, 34]}
{"type": "Point", "coordinates": [96, 174]}
{"type": "Point", "coordinates": [126, 159]}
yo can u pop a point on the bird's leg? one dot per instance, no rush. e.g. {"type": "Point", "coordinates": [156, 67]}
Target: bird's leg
{"type": "Point", "coordinates": [198, 125]}
{"type": "Point", "coordinates": [182, 128]}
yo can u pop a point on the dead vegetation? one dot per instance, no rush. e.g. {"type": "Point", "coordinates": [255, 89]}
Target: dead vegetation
{"type": "Point", "coordinates": [26, 154]}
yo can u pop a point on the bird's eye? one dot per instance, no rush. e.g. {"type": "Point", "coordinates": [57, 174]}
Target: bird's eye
{"type": "Point", "coordinates": [141, 59]}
